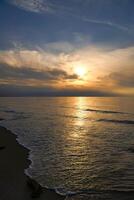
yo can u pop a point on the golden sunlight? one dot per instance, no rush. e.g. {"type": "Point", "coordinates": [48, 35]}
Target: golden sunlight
{"type": "Point", "coordinates": [80, 71]}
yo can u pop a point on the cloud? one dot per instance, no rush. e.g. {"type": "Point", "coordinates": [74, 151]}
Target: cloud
{"type": "Point", "coordinates": [36, 59]}
{"type": "Point", "coordinates": [106, 23]}
{"type": "Point", "coordinates": [24, 73]}
{"type": "Point", "coordinates": [37, 6]}
{"type": "Point", "coordinates": [21, 90]}
{"type": "Point", "coordinates": [122, 79]}
{"type": "Point", "coordinates": [45, 6]}
{"type": "Point", "coordinates": [107, 69]}
{"type": "Point", "coordinates": [58, 47]}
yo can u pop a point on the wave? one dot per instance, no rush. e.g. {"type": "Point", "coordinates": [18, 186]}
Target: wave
{"type": "Point", "coordinates": [95, 192]}
{"type": "Point", "coordinates": [116, 121]}
{"type": "Point", "coordinates": [16, 115]}
{"type": "Point", "coordinates": [69, 116]}
{"type": "Point", "coordinates": [20, 117]}
{"type": "Point", "coordinates": [68, 193]}
{"type": "Point", "coordinates": [105, 111]}
{"type": "Point", "coordinates": [9, 111]}
{"type": "Point", "coordinates": [12, 111]}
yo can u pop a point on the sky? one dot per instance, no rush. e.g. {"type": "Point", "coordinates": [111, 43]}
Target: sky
{"type": "Point", "coordinates": [66, 47]}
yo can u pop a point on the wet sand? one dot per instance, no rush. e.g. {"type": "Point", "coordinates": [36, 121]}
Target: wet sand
{"type": "Point", "coordinates": [14, 184]}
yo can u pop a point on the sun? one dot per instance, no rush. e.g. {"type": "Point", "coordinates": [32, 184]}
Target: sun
{"type": "Point", "coordinates": [80, 71]}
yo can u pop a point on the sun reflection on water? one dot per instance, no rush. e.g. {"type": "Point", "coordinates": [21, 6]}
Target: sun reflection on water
{"type": "Point", "coordinates": [79, 112]}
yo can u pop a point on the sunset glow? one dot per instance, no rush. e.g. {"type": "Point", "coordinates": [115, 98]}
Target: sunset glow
{"type": "Point", "coordinates": [80, 71]}
{"type": "Point", "coordinates": [93, 56]}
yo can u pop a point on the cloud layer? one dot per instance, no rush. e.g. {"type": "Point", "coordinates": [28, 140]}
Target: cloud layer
{"type": "Point", "coordinates": [107, 69]}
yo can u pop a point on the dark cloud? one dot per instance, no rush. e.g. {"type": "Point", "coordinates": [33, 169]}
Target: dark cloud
{"type": "Point", "coordinates": [21, 88]}
{"type": "Point", "coordinates": [8, 72]}
{"type": "Point", "coordinates": [14, 90]}
{"type": "Point", "coordinates": [123, 79]}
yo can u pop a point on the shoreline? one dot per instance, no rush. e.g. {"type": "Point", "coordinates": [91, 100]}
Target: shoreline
{"type": "Point", "coordinates": [14, 183]}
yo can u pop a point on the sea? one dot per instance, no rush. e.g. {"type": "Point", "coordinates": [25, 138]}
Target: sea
{"type": "Point", "coordinates": [82, 147]}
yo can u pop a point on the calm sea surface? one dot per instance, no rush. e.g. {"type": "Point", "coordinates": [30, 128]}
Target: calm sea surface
{"type": "Point", "coordinates": [82, 146]}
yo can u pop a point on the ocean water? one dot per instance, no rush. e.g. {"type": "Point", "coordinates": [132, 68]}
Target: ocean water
{"type": "Point", "coordinates": [82, 147]}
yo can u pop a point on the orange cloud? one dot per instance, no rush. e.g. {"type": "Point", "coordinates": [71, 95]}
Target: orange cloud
{"type": "Point", "coordinates": [106, 68]}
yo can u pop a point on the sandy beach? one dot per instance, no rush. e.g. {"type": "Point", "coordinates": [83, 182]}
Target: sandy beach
{"type": "Point", "coordinates": [14, 184]}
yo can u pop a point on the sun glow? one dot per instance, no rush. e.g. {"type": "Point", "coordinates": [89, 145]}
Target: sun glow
{"type": "Point", "coordinates": [80, 71]}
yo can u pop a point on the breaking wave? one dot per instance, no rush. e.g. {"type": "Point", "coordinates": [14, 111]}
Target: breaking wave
{"type": "Point", "coordinates": [116, 121]}
{"type": "Point", "coordinates": [105, 111]}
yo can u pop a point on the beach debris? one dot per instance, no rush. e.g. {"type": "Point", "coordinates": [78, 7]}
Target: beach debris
{"type": "Point", "coordinates": [35, 187]}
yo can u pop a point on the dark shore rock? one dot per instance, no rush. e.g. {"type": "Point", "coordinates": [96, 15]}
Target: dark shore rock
{"type": "Point", "coordinates": [2, 147]}
{"type": "Point", "coordinates": [36, 188]}
{"type": "Point", "coordinates": [1, 119]}
{"type": "Point", "coordinates": [131, 149]}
